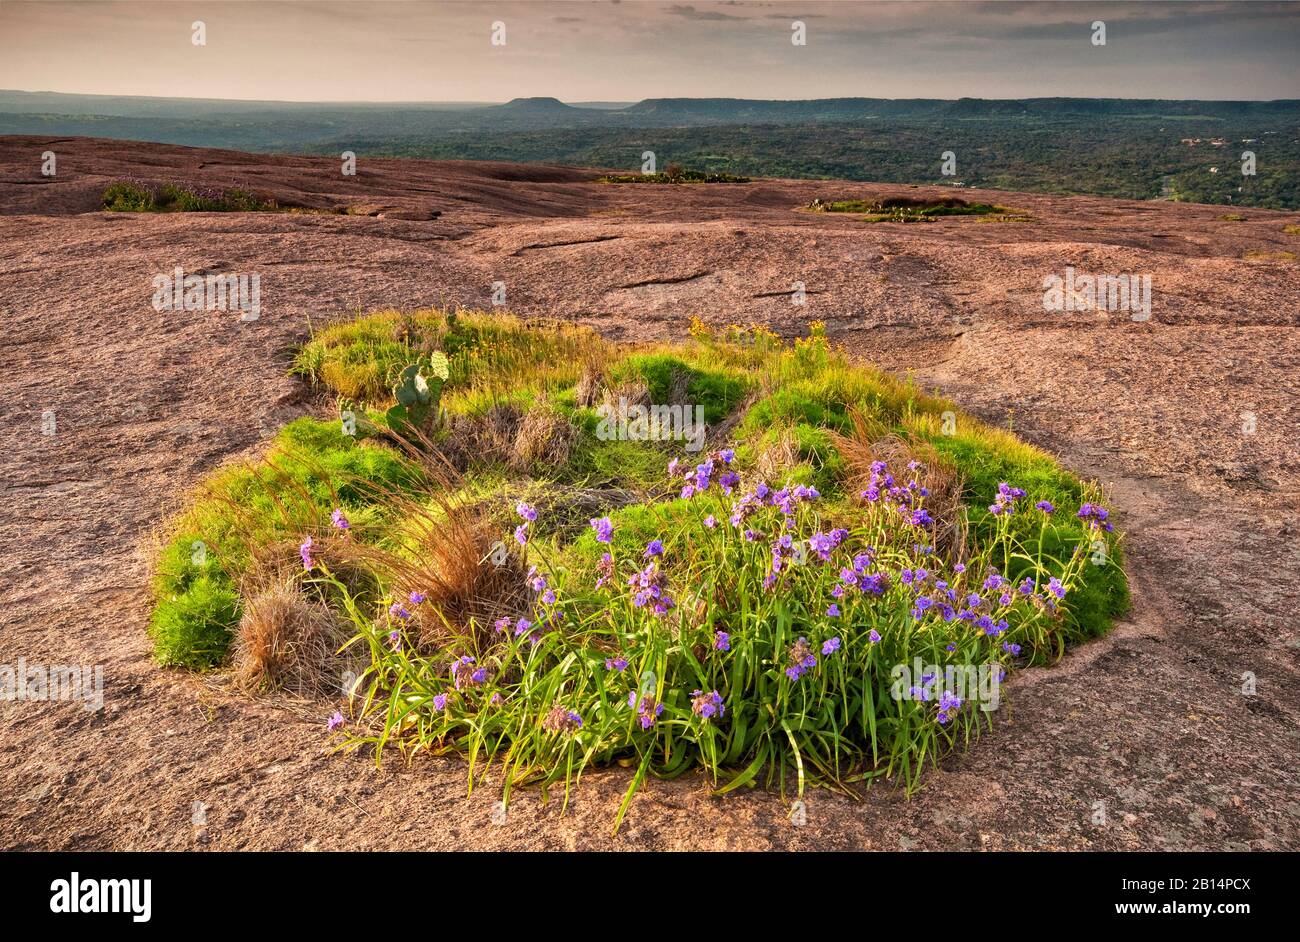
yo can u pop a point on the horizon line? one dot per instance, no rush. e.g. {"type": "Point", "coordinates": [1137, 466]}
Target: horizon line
{"type": "Point", "coordinates": [489, 104]}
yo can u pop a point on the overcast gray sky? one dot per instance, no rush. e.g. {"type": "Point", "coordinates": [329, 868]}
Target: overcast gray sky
{"type": "Point", "coordinates": [626, 51]}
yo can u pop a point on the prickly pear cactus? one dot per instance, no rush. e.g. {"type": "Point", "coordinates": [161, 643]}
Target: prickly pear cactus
{"type": "Point", "coordinates": [419, 397]}
{"type": "Point", "coordinates": [439, 366]}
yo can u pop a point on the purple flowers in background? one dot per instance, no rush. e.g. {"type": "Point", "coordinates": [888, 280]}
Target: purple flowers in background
{"type": "Point", "coordinates": [605, 570]}
{"type": "Point", "coordinates": [528, 513]}
{"type": "Point", "coordinates": [707, 705]}
{"type": "Point", "coordinates": [1095, 516]}
{"type": "Point", "coordinates": [949, 703]}
{"type": "Point", "coordinates": [648, 708]}
{"type": "Point", "coordinates": [650, 585]}
{"type": "Point", "coordinates": [722, 641]}
{"type": "Point", "coordinates": [1005, 502]}
{"type": "Point", "coordinates": [801, 659]}
{"type": "Point", "coordinates": [561, 720]}
{"type": "Point", "coordinates": [339, 519]}
{"type": "Point", "coordinates": [305, 552]}
{"type": "Point", "coordinates": [604, 528]}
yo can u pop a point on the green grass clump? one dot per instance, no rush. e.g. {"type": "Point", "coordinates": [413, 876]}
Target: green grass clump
{"type": "Point", "coordinates": [191, 629]}
{"type": "Point", "coordinates": [673, 176]}
{"type": "Point", "coordinates": [310, 469]}
{"type": "Point", "coordinates": [821, 595]}
{"type": "Point", "coordinates": [906, 209]}
{"type": "Point", "coordinates": [132, 197]}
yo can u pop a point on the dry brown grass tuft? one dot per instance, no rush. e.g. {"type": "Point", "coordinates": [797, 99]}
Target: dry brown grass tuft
{"type": "Point", "coordinates": [589, 383]}
{"type": "Point", "coordinates": [545, 439]}
{"type": "Point", "coordinates": [486, 438]}
{"type": "Point", "coordinates": [870, 441]}
{"type": "Point", "coordinates": [445, 551]}
{"type": "Point", "coordinates": [288, 643]}
{"type": "Point", "coordinates": [778, 457]}
{"type": "Point", "coordinates": [635, 392]}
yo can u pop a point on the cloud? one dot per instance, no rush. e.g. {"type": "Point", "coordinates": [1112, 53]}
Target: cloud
{"type": "Point", "coordinates": [689, 12]}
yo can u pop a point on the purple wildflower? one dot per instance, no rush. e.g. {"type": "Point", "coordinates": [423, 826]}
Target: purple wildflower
{"type": "Point", "coordinates": [648, 708]}
{"type": "Point", "coordinates": [604, 528]}
{"type": "Point", "coordinates": [560, 720]}
{"type": "Point", "coordinates": [707, 705]}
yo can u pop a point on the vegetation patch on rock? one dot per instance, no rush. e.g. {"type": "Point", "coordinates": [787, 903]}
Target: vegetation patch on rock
{"type": "Point", "coordinates": [134, 196]}
{"type": "Point", "coordinates": [733, 553]}
{"type": "Point", "coordinates": [675, 174]}
{"type": "Point", "coordinates": [909, 209]}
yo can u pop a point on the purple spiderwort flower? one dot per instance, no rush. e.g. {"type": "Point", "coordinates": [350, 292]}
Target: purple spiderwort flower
{"type": "Point", "coordinates": [616, 664]}
{"type": "Point", "coordinates": [1095, 516]}
{"type": "Point", "coordinates": [831, 645]}
{"type": "Point", "coordinates": [526, 511]}
{"type": "Point", "coordinates": [801, 659]}
{"type": "Point", "coordinates": [440, 701]}
{"type": "Point", "coordinates": [605, 570]}
{"type": "Point", "coordinates": [707, 705]}
{"type": "Point", "coordinates": [949, 703]}
{"type": "Point", "coordinates": [561, 720]}
{"type": "Point", "coordinates": [833, 611]}
{"type": "Point", "coordinates": [654, 548]}
{"type": "Point", "coordinates": [335, 721]}
{"type": "Point", "coordinates": [398, 610]}
{"type": "Point", "coordinates": [604, 528]}
{"type": "Point", "coordinates": [464, 673]}
{"type": "Point", "coordinates": [305, 552]}
{"type": "Point", "coordinates": [415, 598]}
{"type": "Point", "coordinates": [339, 519]}
{"type": "Point", "coordinates": [874, 636]}
{"type": "Point", "coordinates": [722, 641]}
{"type": "Point", "coordinates": [648, 708]}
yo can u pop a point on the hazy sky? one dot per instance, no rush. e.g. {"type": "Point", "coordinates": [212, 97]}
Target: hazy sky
{"type": "Point", "coordinates": [626, 51]}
